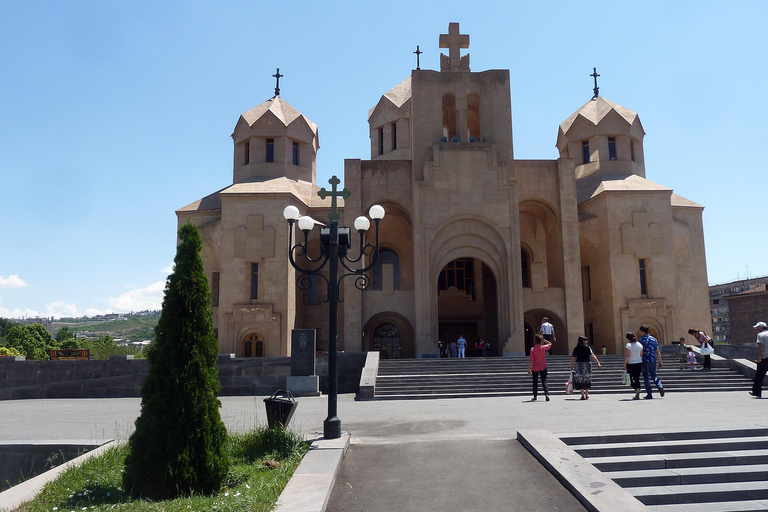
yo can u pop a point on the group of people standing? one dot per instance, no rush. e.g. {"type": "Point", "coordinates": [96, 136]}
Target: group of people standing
{"type": "Point", "coordinates": [458, 348]}
{"type": "Point", "coordinates": [644, 356]}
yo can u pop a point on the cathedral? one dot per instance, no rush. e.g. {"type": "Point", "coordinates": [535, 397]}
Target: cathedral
{"type": "Point", "coordinates": [473, 242]}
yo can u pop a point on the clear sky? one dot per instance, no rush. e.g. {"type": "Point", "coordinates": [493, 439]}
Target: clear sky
{"type": "Point", "coordinates": [114, 114]}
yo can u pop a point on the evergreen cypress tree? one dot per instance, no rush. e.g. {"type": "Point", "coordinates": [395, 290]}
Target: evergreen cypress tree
{"type": "Point", "coordinates": [178, 447]}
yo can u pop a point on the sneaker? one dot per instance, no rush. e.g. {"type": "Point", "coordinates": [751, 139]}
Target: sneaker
{"type": "Point", "coordinates": [636, 397]}
{"type": "Point", "coordinates": [647, 397]}
{"type": "Point", "coordinates": [661, 392]}
{"type": "Point", "coordinates": [547, 398]}
{"type": "Point", "coordinates": [534, 399]}
{"type": "Point", "coordinates": [754, 394]}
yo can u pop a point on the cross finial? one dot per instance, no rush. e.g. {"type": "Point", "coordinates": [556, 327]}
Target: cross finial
{"type": "Point", "coordinates": [417, 52]}
{"type": "Point", "coordinates": [596, 89]}
{"type": "Point", "coordinates": [454, 41]}
{"type": "Point", "coordinates": [334, 193]}
{"type": "Point", "coordinates": [277, 85]}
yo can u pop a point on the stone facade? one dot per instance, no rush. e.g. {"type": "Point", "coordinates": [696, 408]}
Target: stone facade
{"type": "Point", "coordinates": [474, 242]}
{"type": "Point", "coordinates": [745, 310]}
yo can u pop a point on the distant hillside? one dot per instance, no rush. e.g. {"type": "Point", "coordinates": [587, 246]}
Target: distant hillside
{"type": "Point", "coordinates": [128, 328]}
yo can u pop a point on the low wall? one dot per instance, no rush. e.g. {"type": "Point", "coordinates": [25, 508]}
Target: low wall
{"type": "Point", "coordinates": [119, 377]}
{"type": "Point", "coordinates": [22, 460]}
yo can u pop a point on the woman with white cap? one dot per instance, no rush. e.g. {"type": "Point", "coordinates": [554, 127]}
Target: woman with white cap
{"type": "Point", "coordinates": [762, 364]}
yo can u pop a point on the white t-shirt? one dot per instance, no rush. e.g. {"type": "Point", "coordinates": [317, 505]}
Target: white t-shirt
{"type": "Point", "coordinates": [635, 352]}
{"type": "Point", "coordinates": [762, 337]}
{"type": "Point", "coordinates": [547, 328]}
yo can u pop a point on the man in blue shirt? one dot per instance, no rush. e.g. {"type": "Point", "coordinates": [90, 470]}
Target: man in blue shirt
{"type": "Point", "coordinates": [651, 355]}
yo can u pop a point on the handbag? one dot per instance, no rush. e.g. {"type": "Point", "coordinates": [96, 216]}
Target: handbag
{"type": "Point", "coordinates": [625, 378]}
{"type": "Point", "coordinates": [707, 349]}
{"type": "Point", "coordinates": [569, 385]}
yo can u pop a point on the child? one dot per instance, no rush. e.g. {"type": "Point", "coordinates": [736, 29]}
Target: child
{"type": "Point", "coordinates": [691, 359]}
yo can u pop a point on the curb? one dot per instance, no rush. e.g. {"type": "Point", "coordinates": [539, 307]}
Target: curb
{"type": "Point", "coordinates": [309, 489]}
{"type": "Point", "coordinates": [27, 490]}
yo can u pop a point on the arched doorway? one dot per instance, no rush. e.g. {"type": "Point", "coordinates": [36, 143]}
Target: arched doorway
{"type": "Point", "coordinates": [253, 345]}
{"type": "Point", "coordinates": [390, 334]}
{"type": "Point", "coordinates": [529, 333]}
{"type": "Point", "coordinates": [533, 318]}
{"type": "Point", "coordinates": [467, 303]}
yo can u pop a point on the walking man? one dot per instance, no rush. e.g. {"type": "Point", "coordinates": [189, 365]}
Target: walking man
{"type": "Point", "coordinates": [762, 363]}
{"type": "Point", "coordinates": [651, 357]}
{"type": "Point", "coordinates": [547, 332]}
{"type": "Point", "coordinates": [462, 344]}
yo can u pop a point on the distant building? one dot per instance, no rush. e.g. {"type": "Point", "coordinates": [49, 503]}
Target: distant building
{"type": "Point", "coordinates": [47, 322]}
{"type": "Point", "coordinates": [745, 310]}
{"type": "Point", "coordinates": [719, 296]}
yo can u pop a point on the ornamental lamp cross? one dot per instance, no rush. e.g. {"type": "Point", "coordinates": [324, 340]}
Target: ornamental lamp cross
{"type": "Point", "coordinates": [334, 193]}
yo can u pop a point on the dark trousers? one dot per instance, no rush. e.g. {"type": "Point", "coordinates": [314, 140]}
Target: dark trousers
{"type": "Point", "coordinates": [762, 369]}
{"type": "Point", "coordinates": [634, 370]}
{"type": "Point", "coordinates": [707, 362]}
{"type": "Point", "coordinates": [535, 376]}
{"type": "Point", "coordinates": [649, 372]}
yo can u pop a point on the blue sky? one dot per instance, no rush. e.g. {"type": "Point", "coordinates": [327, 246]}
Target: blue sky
{"type": "Point", "coordinates": [115, 114]}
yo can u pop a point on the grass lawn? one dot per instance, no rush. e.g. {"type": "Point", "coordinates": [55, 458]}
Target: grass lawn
{"type": "Point", "coordinates": [262, 463]}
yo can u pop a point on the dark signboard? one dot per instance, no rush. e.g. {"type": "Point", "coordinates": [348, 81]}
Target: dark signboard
{"type": "Point", "coordinates": [303, 342]}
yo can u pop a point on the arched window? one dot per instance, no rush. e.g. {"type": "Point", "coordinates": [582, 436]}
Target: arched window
{"type": "Point", "coordinates": [253, 345]}
{"type": "Point", "coordinates": [386, 339]}
{"type": "Point", "coordinates": [526, 269]}
{"type": "Point", "coordinates": [473, 116]}
{"type": "Point", "coordinates": [386, 257]}
{"type": "Point", "coordinates": [449, 116]}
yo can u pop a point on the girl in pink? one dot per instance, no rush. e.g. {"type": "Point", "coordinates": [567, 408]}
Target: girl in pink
{"type": "Point", "coordinates": [537, 365]}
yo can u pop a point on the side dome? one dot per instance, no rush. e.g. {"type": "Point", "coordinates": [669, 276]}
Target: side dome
{"type": "Point", "coordinates": [602, 135]}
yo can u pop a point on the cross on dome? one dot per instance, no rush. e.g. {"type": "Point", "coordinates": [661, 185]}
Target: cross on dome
{"type": "Point", "coordinates": [277, 85]}
{"type": "Point", "coordinates": [594, 75]}
{"type": "Point", "coordinates": [454, 41]}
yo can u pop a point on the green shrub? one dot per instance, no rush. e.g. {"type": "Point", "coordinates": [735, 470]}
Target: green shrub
{"type": "Point", "coordinates": [178, 446]}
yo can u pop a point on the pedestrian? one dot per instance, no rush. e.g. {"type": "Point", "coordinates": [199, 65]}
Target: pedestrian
{"type": "Point", "coordinates": [547, 330]}
{"type": "Point", "coordinates": [454, 350]}
{"type": "Point", "coordinates": [633, 362]}
{"type": "Point", "coordinates": [691, 362]}
{"type": "Point", "coordinates": [479, 348]}
{"type": "Point", "coordinates": [537, 365]}
{"type": "Point", "coordinates": [682, 353]}
{"type": "Point", "coordinates": [487, 348]}
{"type": "Point", "coordinates": [462, 344]}
{"type": "Point", "coordinates": [706, 345]}
{"type": "Point", "coordinates": [762, 364]}
{"type": "Point", "coordinates": [651, 358]}
{"type": "Point", "coordinates": [605, 350]}
{"type": "Point", "coordinates": [440, 348]}
{"type": "Point", "coordinates": [582, 368]}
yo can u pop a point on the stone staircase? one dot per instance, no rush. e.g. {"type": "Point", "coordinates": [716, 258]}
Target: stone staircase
{"type": "Point", "coordinates": [411, 379]}
{"type": "Point", "coordinates": [702, 471]}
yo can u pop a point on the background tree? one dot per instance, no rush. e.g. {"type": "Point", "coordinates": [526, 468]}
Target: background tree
{"type": "Point", "coordinates": [33, 341]}
{"type": "Point", "coordinates": [178, 445]}
{"type": "Point", "coordinates": [65, 334]}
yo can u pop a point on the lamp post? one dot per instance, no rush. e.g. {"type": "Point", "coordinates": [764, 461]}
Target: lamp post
{"type": "Point", "coordinates": [335, 243]}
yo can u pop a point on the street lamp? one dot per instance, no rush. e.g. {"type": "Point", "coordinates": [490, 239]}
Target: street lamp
{"type": "Point", "coordinates": [335, 243]}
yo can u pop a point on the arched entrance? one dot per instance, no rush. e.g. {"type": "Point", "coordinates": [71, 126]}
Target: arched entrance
{"type": "Point", "coordinates": [467, 303]}
{"type": "Point", "coordinates": [533, 319]}
{"type": "Point", "coordinates": [390, 334]}
{"type": "Point", "coordinates": [253, 345]}
{"type": "Point", "coordinates": [529, 333]}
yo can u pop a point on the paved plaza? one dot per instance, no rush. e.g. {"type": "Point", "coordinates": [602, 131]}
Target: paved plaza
{"type": "Point", "coordinates": [427, 453]}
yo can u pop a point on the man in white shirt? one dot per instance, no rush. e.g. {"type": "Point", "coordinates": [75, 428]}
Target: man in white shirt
{"type": "Point", "coordinates": [762, 359]}
{"type": "Point", "coordinates": [547, 331]}
{"type": "Point", "coordinates": [462, 343]}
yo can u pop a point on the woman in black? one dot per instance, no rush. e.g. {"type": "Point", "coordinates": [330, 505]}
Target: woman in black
{"type": "Point", "coordinates": [581, 367]}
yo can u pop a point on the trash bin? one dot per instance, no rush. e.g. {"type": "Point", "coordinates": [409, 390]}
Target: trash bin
{"type": "Point", "coordinates": [280, 410]}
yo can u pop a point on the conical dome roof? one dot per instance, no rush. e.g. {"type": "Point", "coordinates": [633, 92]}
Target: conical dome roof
{"type": "Point", "coordinates": [586, 120]}
{"type": "Point", "coordinates": [595, 110]}
{"type": "Point", "coordinates": [281, 110]}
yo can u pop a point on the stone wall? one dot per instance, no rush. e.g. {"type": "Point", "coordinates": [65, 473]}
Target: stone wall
{"type": "Point", "coordinates": [745, 310]}
{"type": "Point", "coordinates": [119, 378]}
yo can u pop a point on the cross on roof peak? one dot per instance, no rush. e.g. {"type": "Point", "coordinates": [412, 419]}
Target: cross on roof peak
{"type": "Point", "coordinates": [596, 90]}
{"type": "Point", "coordinates": [454, 41]}
{"type": "Point", "coordinates": [277, 85]}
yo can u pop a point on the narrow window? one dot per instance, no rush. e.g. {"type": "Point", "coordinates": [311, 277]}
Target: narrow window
{"type": "Point", "coordinates": [215, 288]}
{"type": "Point", "coordinates": [525, 269]}
{"type": "Point", "coordinates": [585, 151]}
{"type": "Point", "coordinates": [643, 287]}
{"type": "Point", "coordinates": [295, 153]}
{"type": "Point", "coordinates": [270, 150]}
{"type": "Point", "coordinates": [586, 286]}
{"type": "Point", "coordinates": [247, 156]}
{"type": "Point", "coordinates": [386, 257]}
{"type": "Point", "coordinates": [611, 148]}
{"type": "Point", "coordinates": [632, 149]}
{"type": "Point", "coordinates": [449, 116]}
{"type": "Point", "coordinates": [259, 348]}
{"type": "Point", "coordinates": [254, 281]}
{"type": "Point", "coordinates": [473, 116]}
{"type": "Point", "coordinates": [394, 136]}
{"type": "Point", "coordinates": [381, 141]}
{"type": "Point", "coordinates": [247, 349]}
